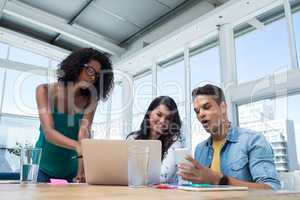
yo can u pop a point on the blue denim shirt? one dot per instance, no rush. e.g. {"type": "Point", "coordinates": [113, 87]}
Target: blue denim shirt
{"type": "Point", "coordinates": [246, 155]}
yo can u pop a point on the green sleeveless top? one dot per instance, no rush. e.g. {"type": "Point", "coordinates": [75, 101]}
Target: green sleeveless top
{"type": "Point", "coordinates": [57, 161]}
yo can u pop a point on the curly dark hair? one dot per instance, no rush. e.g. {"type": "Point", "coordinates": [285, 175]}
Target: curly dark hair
{"type": "Point", "coordinates": [70, 68]}
{"type": "Point", "coordinates": [173, 131]}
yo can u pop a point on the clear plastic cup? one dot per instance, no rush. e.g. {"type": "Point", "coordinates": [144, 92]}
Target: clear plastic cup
{"type": "Point", "coordinates": [138, 164]}
{"type": "Point", "coordinates": [29, 164]}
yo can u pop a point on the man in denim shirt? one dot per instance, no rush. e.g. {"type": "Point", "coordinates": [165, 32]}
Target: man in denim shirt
{"type": "Point", "coordinates": [232, 155]}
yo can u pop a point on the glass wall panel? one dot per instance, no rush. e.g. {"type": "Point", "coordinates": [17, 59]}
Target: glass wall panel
{"type": "Point", "coordinates": [296, 19]}
{"type": "Point", "coordinates": [170, 81]}
{"type": "Point", "coordinates": [3, 50]}
{"type": "Point", "coordinates": [16, 130]}
{"type": "Point", "coordinates": [116, 124]}
{"type": "Point", "coordinates": [142, 97]}
{"type": "Point", "coordinates": [278, 120]}
{"type": "Point", "coordinates": [24, 56]}
{"type": "Point", "coordinates": [19, 97]}
{"type": "Point", "coordinates": [263, 51]}
{"type": "Point", "coordinates": [205, 68]}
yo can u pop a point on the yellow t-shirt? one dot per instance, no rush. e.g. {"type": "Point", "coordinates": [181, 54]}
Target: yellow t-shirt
{"type": "Point", "coordinates": [217, 146]}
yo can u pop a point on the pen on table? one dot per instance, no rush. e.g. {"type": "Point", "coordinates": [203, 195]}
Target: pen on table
{"type": "Point", "coordinates": [200, 185]}
{"type": "Point", "coordinates": [76, 157]}
{"type": "Point", "coordinates": [197, 185]}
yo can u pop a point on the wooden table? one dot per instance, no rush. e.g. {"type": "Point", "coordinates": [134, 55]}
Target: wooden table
{"type": "Point", "coordinates": [84, 191]}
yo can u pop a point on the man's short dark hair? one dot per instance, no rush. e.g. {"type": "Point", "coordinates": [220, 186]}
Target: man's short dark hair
{"type": "Point", "coordinates": [210, 90]}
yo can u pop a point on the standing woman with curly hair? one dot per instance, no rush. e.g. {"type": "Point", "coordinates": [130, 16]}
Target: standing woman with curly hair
{"type": "Point", "coordinates": [162, 122]}
{"type": "Point", "coordinates": [66, 110]}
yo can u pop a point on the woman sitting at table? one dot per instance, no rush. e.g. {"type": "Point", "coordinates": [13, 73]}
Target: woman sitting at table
{"type": "Point", "coordinates": [66, 110]}
{"type": "Point", "coordinates": [162, 122]}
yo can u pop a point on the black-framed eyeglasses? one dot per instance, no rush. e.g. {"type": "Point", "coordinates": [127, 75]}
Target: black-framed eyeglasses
{"type": "Point", "coordinates": [91, 71]}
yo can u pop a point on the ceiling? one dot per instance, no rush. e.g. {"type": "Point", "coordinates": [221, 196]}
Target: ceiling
{"type": "Point", "coordinates": [108, 22]}
{"type": "Point", "coordinates": [103, 24]}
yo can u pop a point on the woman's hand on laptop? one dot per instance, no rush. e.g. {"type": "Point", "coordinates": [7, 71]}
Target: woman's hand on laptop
{"type": "Point", "coordinates": [197, 173]}
{"type": "Point", "coordinates": [80, 177]}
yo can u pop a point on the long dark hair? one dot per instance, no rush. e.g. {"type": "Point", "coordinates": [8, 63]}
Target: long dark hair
{"type": "Point", "coordinates": [71, 67]}
{"type": "Point", "coordinates": [173, 131]}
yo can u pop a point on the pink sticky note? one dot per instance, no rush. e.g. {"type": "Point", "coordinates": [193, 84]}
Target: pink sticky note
{"type": "Point", "coordinates": [58, 181]}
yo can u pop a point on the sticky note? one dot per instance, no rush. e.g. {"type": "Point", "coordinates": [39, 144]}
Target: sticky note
{"type": "Point", "coordinates": [58, 181]}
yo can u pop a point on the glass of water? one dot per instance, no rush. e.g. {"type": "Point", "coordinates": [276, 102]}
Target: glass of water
{"type": "Point", "coordinates": [138, 164]}
{"type": "Point", "coordinates": [287, 180]}
{"type": "Point", "coordinates": [180, 154]}
{"type": "Point", "coordinates": [29, 163]}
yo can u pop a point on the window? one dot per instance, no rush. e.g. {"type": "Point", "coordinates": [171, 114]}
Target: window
{"type": "Point", "coordinates": [19, 122]}
{"type": "Point", "coordinates": [116, 129]}
{"type": "Point", "coordinates": [205, 68]}
{"type": "Point", "coordinates": [142, 98]}
{"type": "Point", "coordinates": [278, 120]}
{"type": "Point", "coordinates": [2, 72]}
{"type": "Point", "coordinates": [296, 18]}
{"type": "Point", "coordinates": [170, 81]}
{"type": "Point", "coordinates": [263, 52]}
{"type": "Point", "coordinates": [3, 50]}
{"type": "Point", "coordinates": [181, 110]}
{"type": "Point", "coordinates": [99, 130]}
{"type": "Point", "coordinates": [101, 112]}
{"type": "Point", "coordinates": [116, 125]}
{"type": "Point", "coordinates": [136, 121]}
{"type": "Point", "coordinates": [23, 56]}
{"type": "Point", "coordinates": [116, 105]}
{"type": "Point", "coordinates": [16, 130]}
{"type": "Point", "coordinates": [99, 126]}
{"type": "Point", "coordinates": [19, 96]}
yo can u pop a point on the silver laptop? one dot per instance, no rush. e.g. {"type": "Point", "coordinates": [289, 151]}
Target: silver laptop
{"type": "Point", "coordinates": [106, 161]}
